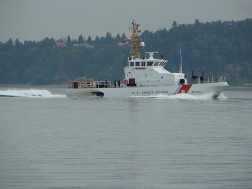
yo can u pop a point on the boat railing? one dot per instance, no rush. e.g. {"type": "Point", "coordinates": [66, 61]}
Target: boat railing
{"type": "Point", "coordinates": [81, 84]}
{"type": "Point", "coordinates": [88, 84]}
{"type": "Point", "coordinates": [103, 84]}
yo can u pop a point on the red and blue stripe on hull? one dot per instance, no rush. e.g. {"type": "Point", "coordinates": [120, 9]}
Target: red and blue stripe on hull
{"type": "Point", "coordinates": [184, 88]}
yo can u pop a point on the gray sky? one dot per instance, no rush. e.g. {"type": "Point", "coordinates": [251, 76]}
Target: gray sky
{"type": "Point", "coordinates": [37, 19]}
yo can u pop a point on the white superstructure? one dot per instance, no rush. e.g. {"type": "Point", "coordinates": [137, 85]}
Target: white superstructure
{"type": "Point", "coordinates": [143, 77]}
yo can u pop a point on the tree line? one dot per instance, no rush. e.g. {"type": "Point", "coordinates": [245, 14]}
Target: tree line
{"type": "Point", "coordinates": [215, 48]}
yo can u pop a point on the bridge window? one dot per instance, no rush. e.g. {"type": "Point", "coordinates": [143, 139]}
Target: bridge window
{"type": "Point", "coordinates": [131, 63]}
{"type": "Point", "coordinates": [156, 63]}
{"type": "Point", "coordinates": [142, 63]}
{"type": "Point", "coordinates": [149, 63]}
{"type": "Point", "coordinates": [137, 63]}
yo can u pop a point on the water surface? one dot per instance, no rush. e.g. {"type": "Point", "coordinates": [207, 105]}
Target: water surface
{"type": "Point", "coordinates": [49, 141]}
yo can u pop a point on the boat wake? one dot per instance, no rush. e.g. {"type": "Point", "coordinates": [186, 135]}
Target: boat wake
{"type": "Point", "coordinates": [30, 93]}
{"type": "Point", "coordinates": [181, 96]}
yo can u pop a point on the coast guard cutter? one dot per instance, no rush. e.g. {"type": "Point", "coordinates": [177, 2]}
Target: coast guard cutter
{"type": "Point", "coordinates": [144, 77]}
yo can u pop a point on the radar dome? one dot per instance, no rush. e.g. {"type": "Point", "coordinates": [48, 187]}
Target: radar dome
{"type": "Point", "coordinates": [142, 44]}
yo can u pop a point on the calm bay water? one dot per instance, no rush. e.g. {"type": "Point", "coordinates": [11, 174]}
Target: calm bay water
{"type": "Point", "coordinates": [54, 142]}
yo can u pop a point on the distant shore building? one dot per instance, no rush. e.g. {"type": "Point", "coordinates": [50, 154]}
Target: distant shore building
{"type": "Point", "coordinates": [85, 45]}
{"type": "Point", "coordinates": [247, 85]}
{"type": "Point", "coordinates": [60, 44]}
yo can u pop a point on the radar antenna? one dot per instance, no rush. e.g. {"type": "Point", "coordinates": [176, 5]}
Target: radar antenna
{"type": "Point", "coordinates": [135, 41]}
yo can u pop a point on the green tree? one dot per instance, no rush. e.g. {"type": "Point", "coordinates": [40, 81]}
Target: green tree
{"type": "Point", "coordinates": [80, 39]}
{"type": "Point", "coordinates": [8, 45]}
{"type": "Point", "coordinates": [174, 24]}
{"type": "Point", "coordinates": [89, 40]}
{"type": "Point", "coordinates": [68, 42]}
{"type": "Point", "coordinates": [47, 42]}
{"type": "Point", "coordinates": [18, 44]}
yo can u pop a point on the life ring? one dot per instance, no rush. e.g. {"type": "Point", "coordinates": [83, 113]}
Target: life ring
{"type": "Point", "coordinates": [125, 81]}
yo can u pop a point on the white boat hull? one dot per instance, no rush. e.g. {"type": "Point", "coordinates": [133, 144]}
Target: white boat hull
{"type": "Point", "coordinates": [195, 89]}
{"type": "Point", "coordinates": [144, 77]}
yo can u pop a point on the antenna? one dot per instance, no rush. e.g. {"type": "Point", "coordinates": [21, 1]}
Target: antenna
{"type": "Point", "coordinates": [180, 54]}
{"type": "Point", "coordinates": [181, 61]}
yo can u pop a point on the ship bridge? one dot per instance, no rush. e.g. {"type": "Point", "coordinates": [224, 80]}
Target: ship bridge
{"type": "Point", "coordinates": [150, 72]}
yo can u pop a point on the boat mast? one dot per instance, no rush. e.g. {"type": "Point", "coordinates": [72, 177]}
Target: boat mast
{"type": "Point", "coordinates": [135, 45]}
{"type": "Point", "coordinates": [181, 63]}
{"type": "Point", "coordinates": [180, 54]}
